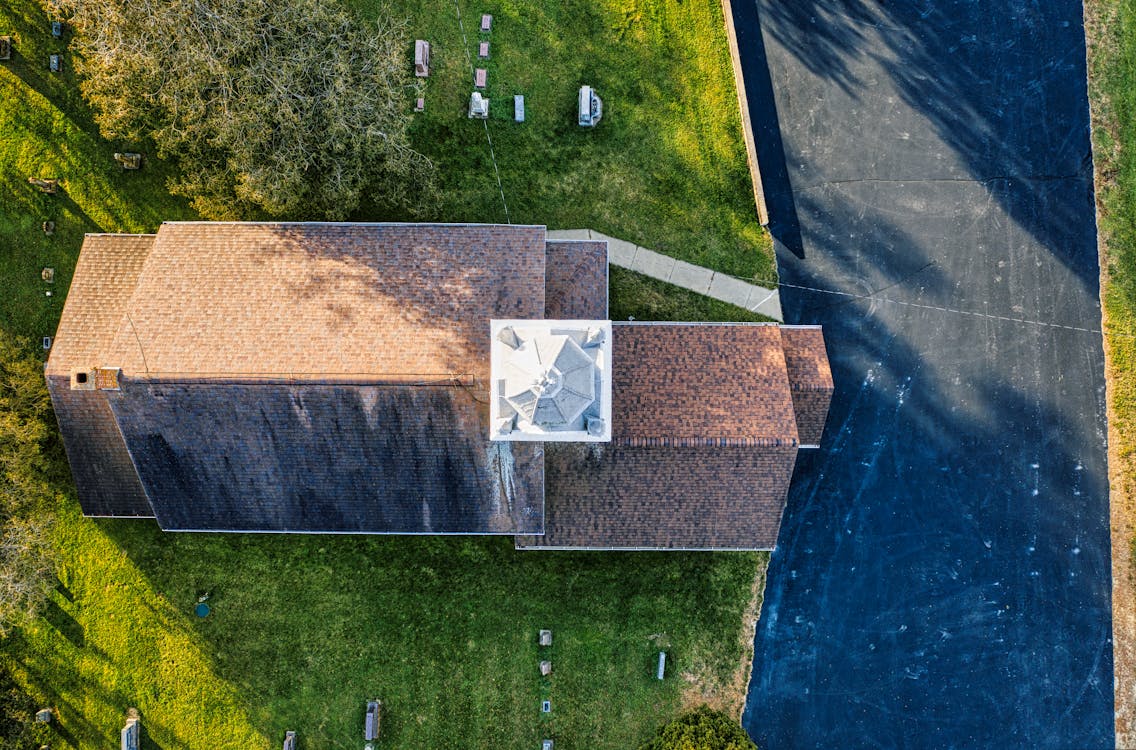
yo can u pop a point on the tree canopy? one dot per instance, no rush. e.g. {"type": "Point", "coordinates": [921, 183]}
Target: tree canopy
{"type": "Point", "coordinates": [293, 109]}
{"type": "Point", "coordinates": [701, 729]}
{"type": "Point", "coordinates": [27, 570]}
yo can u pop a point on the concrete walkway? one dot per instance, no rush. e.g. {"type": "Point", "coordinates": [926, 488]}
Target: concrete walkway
{"type": "Point", "coordinates": [719, 286]}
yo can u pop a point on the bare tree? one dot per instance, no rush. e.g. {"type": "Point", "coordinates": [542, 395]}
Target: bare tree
{"type": "Point", "coordinates": [294, 107]}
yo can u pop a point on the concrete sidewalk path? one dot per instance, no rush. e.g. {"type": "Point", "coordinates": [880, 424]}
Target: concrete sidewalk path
{"type": "Point", "coordinates": [719, 286]}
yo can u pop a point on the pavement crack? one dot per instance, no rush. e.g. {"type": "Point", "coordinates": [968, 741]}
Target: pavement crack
{"type": "Point", "coordinates": [939, 180]}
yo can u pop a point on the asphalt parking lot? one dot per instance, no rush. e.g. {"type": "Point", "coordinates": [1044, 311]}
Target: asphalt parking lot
{"type": "Point", "coordinates": [942, 577]}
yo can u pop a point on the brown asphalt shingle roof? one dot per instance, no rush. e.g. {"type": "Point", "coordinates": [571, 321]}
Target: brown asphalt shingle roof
{"type": "Point", "coordinates": [610, 496]}
{"type": "Point", "coordinates": [396, 302]}
{"type": "Point", "coordinates": [349, 360]}
{"type": "Point", "coordinates": [810, 379]}
{"type": "Point", "coordinates": [704, 440]}
{"type": "Point", "coordinates": [700, 384]}
{"type": "Point", "coordinates": [104, 279]}
{"type": "Point", "coordinates": [575, 280]}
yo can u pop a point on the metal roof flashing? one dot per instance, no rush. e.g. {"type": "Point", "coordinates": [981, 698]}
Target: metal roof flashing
{"type": "Point", "coordinates": [551, 380]}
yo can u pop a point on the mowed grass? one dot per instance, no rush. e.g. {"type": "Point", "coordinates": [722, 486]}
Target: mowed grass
{"type": "Point", "coordinates": [1111, 35]}
{"type": "Point", "coordinates": [665, 168]}
{"type": "Point", "coordinates": [305, 629]}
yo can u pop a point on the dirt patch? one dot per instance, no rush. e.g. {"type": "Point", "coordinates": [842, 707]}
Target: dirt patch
{"type": "Point", "coordinates": [702, 686]}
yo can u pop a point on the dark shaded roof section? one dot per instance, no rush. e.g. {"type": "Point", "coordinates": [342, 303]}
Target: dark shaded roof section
{"type": "Point", "coordinates": [397, 302]}
{"type": "Point", "coordinates": [326, 458]}
{"type": "Point", "coordinates": [635, 497]}
{"type": "Point", "coordinates": [810, 379]}
{"type": "Point", "coordinates": [104, 476]}
{"type": "Point", "coordinates": [700, 384]}
{"type": "Point", "coordinates": [575, 280]}
{"type": "Point", "coordinates": [104, 279]}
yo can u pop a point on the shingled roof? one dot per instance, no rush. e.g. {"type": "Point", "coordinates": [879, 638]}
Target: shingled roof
{"type": "Point", "coordinates": [299, 377]}
{"type": "Point", "coordinates": [704, 440]}
{"type": "Point", "coordinates": [335, 378]}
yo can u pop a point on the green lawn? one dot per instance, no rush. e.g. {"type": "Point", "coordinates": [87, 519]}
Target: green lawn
{"type": "Point", "coordinates": [665, 168]}
{"type": "Point", "coordinates": [1111, 34]}
{"type": "Point", "coordinates": [305, 629]}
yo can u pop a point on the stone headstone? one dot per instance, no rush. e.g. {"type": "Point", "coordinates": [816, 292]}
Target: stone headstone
{"type": "Point", "coordinates": [421, 58]}
{"type": "Point", "coordinates": [44, 715]}
{"type": "Point", "coordinates": [545, 668]}
{"type": "Point", "coordinates": [371, 723]}
{"type": "Point", "coordinates": [129, 160]}
{"type": "Point", "coordinates": [519, 108]}
{"type": "Point", "coordinates": [5, 48]}
{"type": "Point", "coordinates": [57, 29]}
{"type": "Point", "coordinates": [289, 741]}
{"type": "Point", "coordinates": [546, 707]}
{"type": "Point", "coordinates": [479, 78]}
{"type": "Point", "coordinates": [49, 227]}
{"type": "Point", "coordinates": [130, 734]}
{"type": "Point", "coordinates": [483, 50]}
{"type": "Point", "coordinates": [546, 637]}
{"type": "Point", "coordinates": [478, 106]}
{"type": "Point", "coordinates": [55, 63]}
{"type": "Point", "coordinates": [45, 185]}
{"type": "Point", "coordinates": [48, 275]}
{"type": "Point", "coordinates": [546, 745]}
{"type": "Point", "coordinates": [420, 104]}
{"type": "Point", "coordinates": [486, 23]}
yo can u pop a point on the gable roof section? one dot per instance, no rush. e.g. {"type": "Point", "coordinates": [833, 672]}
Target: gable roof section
{"type": "Point", "coordinates": [326, 458]}
{"type": "Point", "coordinates": [104, 280]}
{"type": "Point", "coordinates": [105, 276]}
{"type": "Point", "coordinates": [350, 361]}
{"type": "Point", "coordinates": [399, 303]}
{"type": "Point", "coordinates": [575, 280]}
{"type": "Point", "coordinates": [700, 384]}
{"type": "Point", "coordinates": [704, 441]}
{"type": "Point", "coordinates": [663, 497]}
{"type": "Point", "coordinates": [810, 379]}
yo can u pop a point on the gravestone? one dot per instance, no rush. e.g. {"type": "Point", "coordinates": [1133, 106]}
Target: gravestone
{"type": "Point", "coordinates": [57, 29]}
{"type": "Point", "coordinates": [519, 108]}
{"type": "Point", "coordinates": [478, 106]}
{"type": "Point", "coordinates": [129, 160]}
{"type": "Point", "coordinates": [486, 23]}
{"type": "Point", "coordinates": [419, 104]}
{"type": "Point", "coordinates": [5, 48]}
{"type": "Point", "coordinates": [46, 185]}
{"type": "Point", "coordinates": [44, 715]}
{"type": "Point", "coordinates": [546, 707]}
{"type": "Point", "coordinates": [48, 275]}
{"type": "Point", "coordinates": [289, 741]}
{"type": "Point", "coordinates": [49, 228]}
{"type": "Point", "coordinates": [421, 58]}
{"type": "Point", "coordinates": [546, 745]}
{"type": "Point", "coordinates": [479, 78]}
{"type": "Point", "coordinates": [545, 668]}
{"type": "Point", "coordinates": [132, 731]}
{"type": "Point", "coordinates": [546, 637]}
{"type": "Point", "coordinates": [55, 63]}
{"type": "Point", "coordinates": [371, 722]}
{"type": "Point", "coordinates": [483, 50]}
